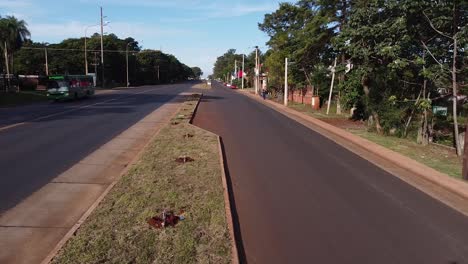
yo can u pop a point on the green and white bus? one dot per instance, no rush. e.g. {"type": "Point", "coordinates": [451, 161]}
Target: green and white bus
{"type": "Point", "coordinates": [63, 87]}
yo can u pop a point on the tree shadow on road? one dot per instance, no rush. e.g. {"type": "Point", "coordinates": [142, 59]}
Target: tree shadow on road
{"type": "Point", "coordinates": [235, 216]}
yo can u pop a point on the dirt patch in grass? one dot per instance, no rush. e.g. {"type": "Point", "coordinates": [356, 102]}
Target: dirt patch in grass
{"type": "Point", "coordinates": [118, 232]}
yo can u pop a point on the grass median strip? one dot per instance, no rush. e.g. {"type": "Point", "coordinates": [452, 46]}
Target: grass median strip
{"type": "Point", "coordinates": [118, 232]}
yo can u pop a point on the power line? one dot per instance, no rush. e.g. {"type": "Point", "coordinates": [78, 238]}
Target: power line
{"type": "Point", "coordinates": [82, 50]}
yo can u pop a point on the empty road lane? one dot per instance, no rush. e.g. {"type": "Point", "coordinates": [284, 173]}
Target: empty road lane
{"type": "Point", "coordinates": [56, 136]}
{"type": "Point", "coordinates": [301, 198]}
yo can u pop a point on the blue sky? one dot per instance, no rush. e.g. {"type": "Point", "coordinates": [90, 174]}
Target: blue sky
{"type": "Point", "coordinates": [194, 31]}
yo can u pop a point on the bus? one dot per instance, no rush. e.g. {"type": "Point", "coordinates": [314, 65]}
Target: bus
{"type": "Point", "coordinates": [63, 87]}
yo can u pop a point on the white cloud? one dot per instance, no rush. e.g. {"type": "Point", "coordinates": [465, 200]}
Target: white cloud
{"type": "Point", "coordinates": [202, 9]}
{"type": "Point", "coordinates": [21, 9]}
{"type": "Point", "coordinates": [14, 4]}
{"type": "Point", "coordinates": [75, 29]}
{"type": "Point", "coordinates": [182, 4]}
{"type": "Point", "coordinates": [217, 10]}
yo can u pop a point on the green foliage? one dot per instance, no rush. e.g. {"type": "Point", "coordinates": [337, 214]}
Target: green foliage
{"type": "Point", "coordinates": [196, 72]}
{"type": "Point", "coordinates": [401, 50]}
{"type": "Point", "coordinates": [14, 32]}
{"type": "Point", "coordinates": [67, 57]}
{"type": "Point", "coordinates": [351, 90]}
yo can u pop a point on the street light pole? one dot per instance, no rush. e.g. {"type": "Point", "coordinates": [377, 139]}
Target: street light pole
{"type": "Point", "coordinates": [85, 55]}
{"type": "Point", "coordinates": [46, 62]}
{"type": "Point", "coordinates": [102, 50]}
{"type": "Point", "coordinates": [85, 49]}
{"type": "Point", "coordinates": [286, 81]}
{"type": "Point", "coordinates": [243, 59]}
{"type": "Point", "coordinates": [257, 72]}
{"type": "Point", "coordinates": [235, 69]}
{"type": "Point", "coordinates": [7, 67]}
{"type": "Point", "coordinates": [126, 58]}
{"type": "Point", "coordinates": [86, 44]}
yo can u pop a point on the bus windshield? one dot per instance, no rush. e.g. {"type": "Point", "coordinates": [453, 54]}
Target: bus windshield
{"type": "Point", "coordinates": [56, 84]}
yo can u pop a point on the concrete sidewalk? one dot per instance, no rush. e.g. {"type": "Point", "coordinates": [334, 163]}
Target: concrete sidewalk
{"type": "Point", "coordinates": [391, 161]}
{"type": "Point", "coordinates": [32, 229]}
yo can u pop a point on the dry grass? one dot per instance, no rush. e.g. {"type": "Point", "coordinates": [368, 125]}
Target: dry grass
{"type": "Point", "coordinates": [117, 231]}
{"type": "Point", "coordinates": [321, 113]}
{"type": "Point", "coordinates": [436, 157]}
{"type": "Point", "coordinates": [202, 85]}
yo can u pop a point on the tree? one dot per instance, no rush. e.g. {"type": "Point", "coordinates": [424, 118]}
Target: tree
{"type": "Point", "coordinates": [67, 57]}
{"type": "Point", "coordinates": [224, 65]}
{"type": "Point", "coordinates": [197, 72]}
{"type": "Point", "coordinates": [375, 38]}
{"type": "Point", "coordinates": [449, 19]}
{"type": "Point", "coordinates": [13, 33]}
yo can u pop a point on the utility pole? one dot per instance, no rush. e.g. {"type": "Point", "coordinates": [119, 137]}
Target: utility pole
{"type": "Point", "coordinates": [46, 62]}
{"type": "Point", "coordinates": [85, 54]}
{"type": "Point", "coordinates": [7, 67]}
{"type": "Point", "coordinates": [126, 60]}
{"type": "Point", "coordinates": [286, 82]}
{"type": "Point", "coordinates": [95, 66]}
{"type": "Point", "coordinates": [257, 72]}
{"type": "Point", "coordinates": [331, 87]}
{"type": "Point", "coordinates": [243, 60]}
{"type": "Point", "coordinates": [465, 154]}
{"type": "Point", "coordinates": [95, 63]}
{"type": "Point", "coordinates": [235, 68]}
{"type": "Point", "coordinates": [102, 49]}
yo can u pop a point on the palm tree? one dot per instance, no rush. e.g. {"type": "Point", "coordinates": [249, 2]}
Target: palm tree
{"type": "Point", "coordinates": [13, 33]}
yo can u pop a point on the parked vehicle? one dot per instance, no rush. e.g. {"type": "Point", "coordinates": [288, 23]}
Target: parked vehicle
{"type": "Point", "coordinates": [63, 87]}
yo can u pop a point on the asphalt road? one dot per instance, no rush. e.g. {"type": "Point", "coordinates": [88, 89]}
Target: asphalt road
{"type": "Point", "coordinates": [55, 136]}
{"type": "Point", "coordinates": [301, 198]}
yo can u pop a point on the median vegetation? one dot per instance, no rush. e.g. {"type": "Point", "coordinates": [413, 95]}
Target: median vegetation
{"type": "Point", "coordinates": [179, 171]}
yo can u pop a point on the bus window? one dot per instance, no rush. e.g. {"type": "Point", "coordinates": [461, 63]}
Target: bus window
{"type": "Point", "coordinates": [51, 84]}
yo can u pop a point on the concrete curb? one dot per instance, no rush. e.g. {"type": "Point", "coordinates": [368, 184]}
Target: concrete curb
{"type": "Point", "coordinates": [195, 109]}
{"type": "Point", "coordinates": [227, 206]}
{"type": "Point", "coordinates": [453, 185]}
{"type": "Point", "coordinates": [90, 210]}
